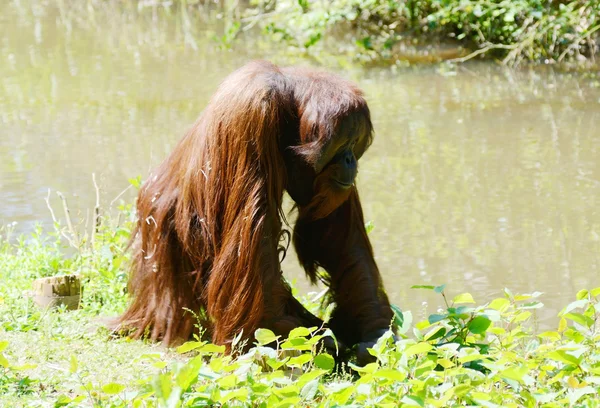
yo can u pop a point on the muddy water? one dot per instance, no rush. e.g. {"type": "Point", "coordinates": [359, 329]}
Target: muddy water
{"type": "Point", "coordinates": [480, 177]}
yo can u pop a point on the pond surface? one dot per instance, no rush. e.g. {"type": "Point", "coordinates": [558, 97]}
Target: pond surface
{"type": "Point", "coordinates": [479, 177]}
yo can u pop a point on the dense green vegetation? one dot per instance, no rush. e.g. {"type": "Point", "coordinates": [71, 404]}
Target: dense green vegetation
{"type": "Point", "coordinates": [565, 32]}
{"type": "Point", "coordinates": [466, 354]}
{"type": "Point", "coordinates": [544, 31]}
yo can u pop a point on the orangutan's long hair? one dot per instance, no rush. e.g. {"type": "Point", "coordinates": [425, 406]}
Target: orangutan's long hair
{"type": "Point", "coordinates": [206, 241]}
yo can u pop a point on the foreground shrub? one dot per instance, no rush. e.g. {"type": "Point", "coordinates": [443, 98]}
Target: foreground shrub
{"type": "Point", "coordinates": [545, 31]}
{"type": "Point", "coordinates": [465, 354]}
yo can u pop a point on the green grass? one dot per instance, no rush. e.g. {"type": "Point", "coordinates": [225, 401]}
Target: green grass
{"type": "Point", "coordinates": [484, 355]}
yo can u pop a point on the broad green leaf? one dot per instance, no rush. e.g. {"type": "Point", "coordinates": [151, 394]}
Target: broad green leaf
{"type": "Point", "coordinates": [188, 374]}
{"type": "Point", "coordinates": [521, 317]}
{"type": "Point", "coordinates": [369, 368]}
{"type": "Point", "coordinates": [341, 397]}
{"type": "Point", "coordinates": [413, 401]}
{"type": "Point", "coordinates": [299, 332]}
{"type": "Point", "coordinates": [481, 396]}
{"type": "Point", "coordinates": [573, 305]}
{"type": "Point", "coordinates": [265, 336]}
{"type": "Point", "coordinates": [418, 348]}
{"type": "Point", "coordinates": [444, 362]}
{"type": "Point", "coordinates": [189, 346]}
{"type": "Point", "coordinates": [3, 345]}
{"type": "Point", "coordinates": [499, 304]}
{"type": "Point", "coordinates": [422, 325]}
{"type": "Point", "coordinates": [398, 315]}
{"type": "Point", "coordinates": [309, 390]}
{"type": "Point", "coordinates": [310, 375]}
{"type": "Point", "coordinates": [241, 394]}
{"type": "Point", "coordinates": [479, 325]}
{"type": "Point", "coordinates": [435, 333]}
{"type": "Point", "coordinates": [582, 294]}
{"type": "Point", "coordinates": [471, 357]}
{"type": "Point", "coordinates": [575, 395]}
{"type": "Point", "coordinates": [3, 361]}
{"type": "Point", "coordinates": [288, 402]}
{"type": "Point", "coordinates": [532, 305]}
{"type": "Point", "coordinates": [439, 289]}
{"type": "Point", "coordinates": [72, 364]}
{"type": "Point", "coordinates": [324, 361]}
{"type": "Point", "coordinates": [276, 364]}
{"type": "Point", "coordinates": [562, 324]}
{"type": "Point", "coordinates": [229, 381]}
{"type": "Point", "coordinates": [579, 318]}
{"type": "Point", "coordinates": [463, 298]}
{"type": "Point", "coordinates": [552, 335]}
{"type": "Point", "coordinates": [212, 348]}
{"type": "Point", "coordinates": [112, 388]}
{"type": "Point", "coordinates": [389, 374]}
{"type": "Point", "coordinates": [563, 356]}
{"type": "Point", "coordinates": [299, 361]}
{"type": "Point", "coordinates": [595, 292]}
{"type": "Point", "coordinates": [515, 373]}
{"type": "Point", "coordinates": [434, 318]}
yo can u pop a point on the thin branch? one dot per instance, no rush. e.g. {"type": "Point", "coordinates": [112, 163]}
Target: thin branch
{"type": "Point", "coordinates": [60, 230]}
{"type": "Point", "coordinates": [120, 194]}
{"type": "Point", "coordinates": [47, 199]}
{"type": "Point", "coordinates": [483, 50]}
{"type": "Point", "coordinates": [68, 217]}
{"type": "Point", "coordinates": [576, 42]}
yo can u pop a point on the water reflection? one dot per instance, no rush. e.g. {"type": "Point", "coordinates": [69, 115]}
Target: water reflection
{"type": "Point", "coordinates": [480, 178]}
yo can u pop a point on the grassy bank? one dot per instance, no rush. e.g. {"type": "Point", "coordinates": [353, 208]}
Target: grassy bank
{"type": "Point", "coordinates": [363, 31]}
{"type": "Point", "coordinates": [514, 31]}
{"type": "Point", "coordinates": [466, 354]}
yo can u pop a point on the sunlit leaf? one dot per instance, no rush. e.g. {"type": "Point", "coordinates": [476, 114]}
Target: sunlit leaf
{"type": "Point", "coordinates": [299, 361]}
{"type": "Point", "coordinates": [563, 356]}
{"type": "Point", "coordinates": [3, 361]}
{"type": "Point", "coordinates": [479, 325]}
{"type": "Point", "coordinates": [515, 373]}
{"type": "Point", "coordinates": [463, 298]}
{"type": "Point", "coordinates": [573, 305]}
{"type": "Point", "coordinates": [189, 346]}
{"type": "Point", "coordinates": [500, 304]}
{"type": "Point", "coordinates": [212, 348]}
{"type": "Point", "coordinates": [112, 388]}
{"type": "Point", "coordinates": [324, 361]}
{"type": "Point", "coordinates": [435, 334]}
{"type": "Point", "coordinates": [398, 315]}
{"type": "Point", "coordinates": [72, 364]}
{"type": "Point", "coordinates": [580, 318]}
{"type": "Point", "coordinates": [310, 375]}
{"type": "Point", "coordinates": [521, 317]}
{"type": "Point", "coordinates": [418, 348]}
{"type": "Point", "coordinates": [265, 336]}
{"type": "Point", "coordinates": [390, 374]}
{"type": "Point", "coordinates": [562, 324]}
{"type": "Point", "coordinates": [240, 394]}
{"type": "Point", "coordinates": [412, 401]}
{"type": "Point", "coordinates": [299, 332]}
